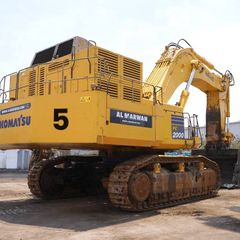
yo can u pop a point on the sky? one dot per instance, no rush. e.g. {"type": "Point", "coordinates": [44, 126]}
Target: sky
{"type": "Point", "coordinates": [135, 28]}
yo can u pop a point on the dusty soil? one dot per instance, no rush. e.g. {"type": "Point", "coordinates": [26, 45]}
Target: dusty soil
{"type": "Point", "coordinates": [24, 217]}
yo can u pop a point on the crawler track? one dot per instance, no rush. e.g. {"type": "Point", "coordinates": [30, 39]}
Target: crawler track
{"type": "Point", "coordinates": [34, 178]}
{"type": "Point", "coordinates": [118, 187]}
{"type": "Point", "coordinates": [45, 180]}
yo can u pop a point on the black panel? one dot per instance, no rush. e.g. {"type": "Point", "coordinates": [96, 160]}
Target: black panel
{"type": "Point", "coordinates": [65, 48]}
{"type": "Point", "coordinates": [213, 117]}
{"type": "Point", "coordinates": [130, 118]}
{"type": "Point", "coordinates": [44, 56]}
{"type": "Point", "coordinates": [47, 55]}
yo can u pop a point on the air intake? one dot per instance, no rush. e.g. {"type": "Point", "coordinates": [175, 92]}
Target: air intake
{"type": "Point", "coordinates": [131, 69]}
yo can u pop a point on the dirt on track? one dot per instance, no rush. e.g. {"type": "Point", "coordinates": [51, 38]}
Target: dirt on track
{"type": "Point", "coordinates": [24, 217]}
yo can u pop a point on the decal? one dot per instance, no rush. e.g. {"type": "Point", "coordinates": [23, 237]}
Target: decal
{"type": "Point", "coordinates": [15, 108]}
{"type": "Point", "coordinates": [60, 120]}
{"type": "Point", "coordinates": [85, 99]}
{"type": "Point", "coordinates": [16, 122]}
{"type": "Point", "coordinates": [177, 127]}
{"type": "Point", "coordinates": [130, 118]}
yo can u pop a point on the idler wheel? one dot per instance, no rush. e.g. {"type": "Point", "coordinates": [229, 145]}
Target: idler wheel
{"type": "Point", "coordinates": [140, 186]}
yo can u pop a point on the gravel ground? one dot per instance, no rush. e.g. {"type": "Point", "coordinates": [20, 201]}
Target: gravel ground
{"type": "Point", "coordinates": [24, 217]}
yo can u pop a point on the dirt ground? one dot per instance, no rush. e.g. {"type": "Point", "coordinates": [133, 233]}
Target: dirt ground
{"type": "Point", "coordinates": [23, 217]}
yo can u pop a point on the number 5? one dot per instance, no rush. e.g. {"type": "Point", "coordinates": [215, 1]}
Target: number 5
{"type": "Point", "coordinates": [58, 117]}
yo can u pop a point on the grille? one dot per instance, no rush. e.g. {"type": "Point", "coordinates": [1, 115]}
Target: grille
{"type": "Point", "coordinates": [57, 65]}
{"type": "Point", "coordinates": [32, 83]}
{"type": "Point", "coordinates": [109, 87]}
{"type": "Point", "coordinates": [41, 81]}
{"type": "Point", "coordinates": [108, 62]}
{"type": "Point", "coordinates": [132, 94]}
{"type": "Point", "coordinates": [131, 69]}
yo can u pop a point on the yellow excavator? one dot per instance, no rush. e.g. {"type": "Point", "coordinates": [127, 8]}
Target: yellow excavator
{"type": "Point", "coordinates": [77, 95]}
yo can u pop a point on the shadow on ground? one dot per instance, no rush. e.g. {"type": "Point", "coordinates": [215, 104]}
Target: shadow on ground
{"type": "Point", "coordinates": [223, 222]}
{"type": "Point", "coordinates": [87, 213]}
{"type": "Point", "coordinates": [78, 214]}
{"type": "Point", "coordinates": [235, 208]}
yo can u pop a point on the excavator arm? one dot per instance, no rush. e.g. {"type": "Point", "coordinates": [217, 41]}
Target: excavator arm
{"type": "Point", "coordinates": [177, 65]}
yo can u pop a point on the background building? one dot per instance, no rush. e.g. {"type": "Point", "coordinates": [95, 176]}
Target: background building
{"type": "Point", "coordinates": [234, 128]}
{"type": "Point", "coordinates": [15, 159]}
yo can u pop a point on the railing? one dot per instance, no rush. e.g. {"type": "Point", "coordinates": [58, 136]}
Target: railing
{"type": "Point", "coordinates": [3, 83]}
{"type": "Point", "coordinates": [103, 80]}
{"type": "Point", "coordinates": [190, 124]}
{"type": "Point", "coordinates": [192, 129]}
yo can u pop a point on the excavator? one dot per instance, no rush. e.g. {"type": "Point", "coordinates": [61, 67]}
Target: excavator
{"type": "Point", "coordinates": [77, 96]}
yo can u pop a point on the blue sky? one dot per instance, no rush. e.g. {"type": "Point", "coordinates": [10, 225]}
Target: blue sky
{"type": "Point", "coordinates": [139, 29]}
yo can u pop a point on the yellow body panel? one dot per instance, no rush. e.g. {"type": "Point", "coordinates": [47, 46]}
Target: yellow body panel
{"type": "Point", "coordinates": [89, 99]}
{"type": "Point", "coordinates": [89, 123]}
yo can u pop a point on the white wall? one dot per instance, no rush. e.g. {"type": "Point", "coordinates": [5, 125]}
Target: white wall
{"type": "Point", "coordinates": [11, 159]}
{"type": "Point", "coordinates": [14, 159]}
{"type": "Point", "coordinates": [234, 128]}
{"type": "Point", "coordinates": [2, 159]}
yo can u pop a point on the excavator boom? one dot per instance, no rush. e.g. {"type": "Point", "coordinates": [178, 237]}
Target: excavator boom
{"type": "Point", "coordinates": [178, 65]}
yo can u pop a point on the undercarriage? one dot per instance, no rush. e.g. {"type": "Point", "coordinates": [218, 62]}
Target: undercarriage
{"type": "Point", "coordinates": [138, 183]}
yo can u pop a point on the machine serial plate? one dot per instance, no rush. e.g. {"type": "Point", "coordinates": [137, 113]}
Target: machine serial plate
{"type": "Point", "coordinates": [130, 118]}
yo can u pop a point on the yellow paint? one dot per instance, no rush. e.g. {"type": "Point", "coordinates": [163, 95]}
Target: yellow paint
{"type": "Point", "coordinates": [72, 98]}
{"type": "Point", "coordinates": [157, 168]}
{"type": "Point", "coordinates": [201, 166]}
{"type": "Point", "coordinates": [85, 99]}
{"type": "Point", "coordinates": [174, 67]}
{"type": "Point", "coordinates": [181, 167]}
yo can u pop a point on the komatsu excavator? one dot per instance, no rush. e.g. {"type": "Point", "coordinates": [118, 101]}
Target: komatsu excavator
{"type": "Point", "coordinates": [76, 95]}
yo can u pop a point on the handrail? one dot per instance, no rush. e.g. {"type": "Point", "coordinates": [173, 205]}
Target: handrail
{"type": "Point", "coordinates": [198, 129]}
{"type": "Point", "coordinates": [192, 125]}
{"type": "Point", "coordinates": [88, 53]}
{"type": "Point", "coordinates": [109, 79]}
{"type": "Point", "coordinates": [35, 66]}
{"type": "Point", "coordinates": [4, 85]}
{"type": "Point", "coordinates": [6, 76]}
{"type": "Point", "coordinates": [103, 73]}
